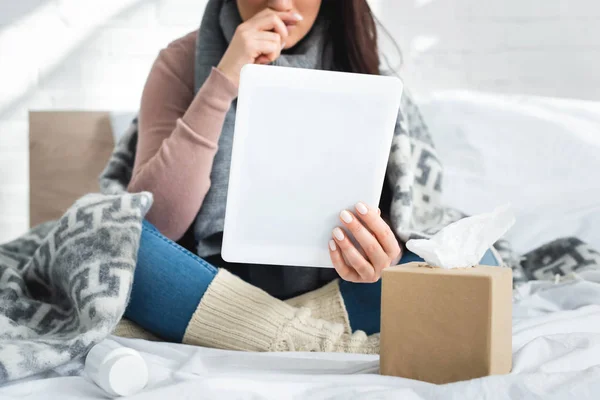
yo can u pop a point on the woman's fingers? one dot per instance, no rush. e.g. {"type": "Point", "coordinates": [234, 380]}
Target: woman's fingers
{"type": "Point", "coordinates": [353, 258]}
{"type": "Point", "coordinates": [268, 45]}
{"type": "Point", "coordinates": [262, 60]}
{"type": "Point", "coordinates": [254, 42]}
{"type": "Point", "coordinates": [372, 219]}
{"type": "Point", "coordinates": [346, 272]}
{"type": "Point", "coordinates": [369, 243]}
{"type": "Point", "coordinates": [267, 50]}
{"type": "Point", "coordinates": [268, 20]}
{"type": "Point", "coordinates": [268, 36]}
{"type": "Point", "coordinates": [288, 17]}
{"type": "Point", "coordinates": [376, 240]}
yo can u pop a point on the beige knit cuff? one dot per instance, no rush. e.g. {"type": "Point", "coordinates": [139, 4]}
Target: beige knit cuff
{"type": "Point", "coordinates": [325, 303]}
{"type": "Point", "coordinates": [235, 315]}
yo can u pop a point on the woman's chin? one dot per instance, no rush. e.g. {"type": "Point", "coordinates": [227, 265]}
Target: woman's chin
{"type": "Point", "coordinates": [289, 45]}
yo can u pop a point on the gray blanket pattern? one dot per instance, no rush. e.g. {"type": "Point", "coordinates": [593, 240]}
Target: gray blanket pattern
{"type": "Point", "coordinates": [64, 285]}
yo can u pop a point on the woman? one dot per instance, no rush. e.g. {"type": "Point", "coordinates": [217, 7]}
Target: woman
{"type": "Point", "coordinates": [183, 156]}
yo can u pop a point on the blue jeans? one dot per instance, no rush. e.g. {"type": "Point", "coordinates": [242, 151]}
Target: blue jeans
{"type": "Point", "coordinates": [170, 281]}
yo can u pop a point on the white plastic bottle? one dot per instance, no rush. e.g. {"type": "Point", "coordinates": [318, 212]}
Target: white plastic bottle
{"type": "Point", "coordinates": [119, 370]}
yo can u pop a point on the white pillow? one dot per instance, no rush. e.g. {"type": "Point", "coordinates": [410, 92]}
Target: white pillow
{"type": "Point", "coordinates": [540, 154]}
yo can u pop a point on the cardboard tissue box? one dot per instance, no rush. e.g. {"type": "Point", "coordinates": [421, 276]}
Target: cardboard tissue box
{"type": "Point", "coordinates": [446, 325]}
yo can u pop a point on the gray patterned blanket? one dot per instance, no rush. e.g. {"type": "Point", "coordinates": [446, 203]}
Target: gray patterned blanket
{"type": "Point", "coordinates": [65, 284]}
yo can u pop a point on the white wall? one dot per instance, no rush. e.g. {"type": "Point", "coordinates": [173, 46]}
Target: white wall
{"type": "Point", "coordinates": [542, 47]}
{"type": "Point", "coordinates": [95, 55]}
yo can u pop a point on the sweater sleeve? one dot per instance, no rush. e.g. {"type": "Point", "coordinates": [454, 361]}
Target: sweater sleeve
{"type": "Point", "coordinates": [178, 136]}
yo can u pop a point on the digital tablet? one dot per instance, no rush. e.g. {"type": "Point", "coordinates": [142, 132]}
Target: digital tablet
{"type": "Point", "coordinates": [307, 144]}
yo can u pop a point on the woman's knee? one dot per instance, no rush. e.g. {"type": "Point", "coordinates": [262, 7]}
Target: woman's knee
{"type": "Point", "coordinates": [155, 247]}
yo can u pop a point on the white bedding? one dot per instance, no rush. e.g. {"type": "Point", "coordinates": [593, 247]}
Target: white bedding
{"type": "Point", "coordinates": [543, 156]}
{"type": "Point", "coordinates": [540, 154]}
{"type": "Point", "coordinates": [556, 346]}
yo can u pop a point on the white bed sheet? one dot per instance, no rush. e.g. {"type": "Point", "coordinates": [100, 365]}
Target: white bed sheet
{"type": "Point", "coordinates": [556, 346]}
{"type": "Point", "coordinates": [542, 155]}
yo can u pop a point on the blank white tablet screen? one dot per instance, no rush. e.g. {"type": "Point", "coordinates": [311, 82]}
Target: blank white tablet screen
{"type": "Point", "coordinates": [307, 144]}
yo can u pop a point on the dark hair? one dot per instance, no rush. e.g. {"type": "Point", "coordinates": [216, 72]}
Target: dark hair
{"type": "Point", "coordinates": [353, 35]}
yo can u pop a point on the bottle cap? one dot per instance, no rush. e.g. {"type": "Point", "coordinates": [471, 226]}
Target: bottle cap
{"type": "Point", "coordinates": [119, 370]}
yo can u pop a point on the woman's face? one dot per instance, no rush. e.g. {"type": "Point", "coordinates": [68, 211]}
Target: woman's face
{"type": "Point", "coordinates": [308, 9]}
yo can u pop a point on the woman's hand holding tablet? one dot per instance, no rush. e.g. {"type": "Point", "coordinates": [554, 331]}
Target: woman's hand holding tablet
{"type": "Point", "coordinates": [379, 245]}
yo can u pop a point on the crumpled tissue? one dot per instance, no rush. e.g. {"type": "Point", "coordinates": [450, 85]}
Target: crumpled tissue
{"type": "Point", "coordinates": [463, 243]}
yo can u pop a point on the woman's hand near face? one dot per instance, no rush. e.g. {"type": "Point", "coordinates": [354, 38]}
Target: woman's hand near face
{"type": "Point", "coordinates": [258, 40]}
{"type": "Point", "coordinates": [379, 246]}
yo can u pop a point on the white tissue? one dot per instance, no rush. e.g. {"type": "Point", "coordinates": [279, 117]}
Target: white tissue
{"type": "Point", "coordinates": [463, 243]}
